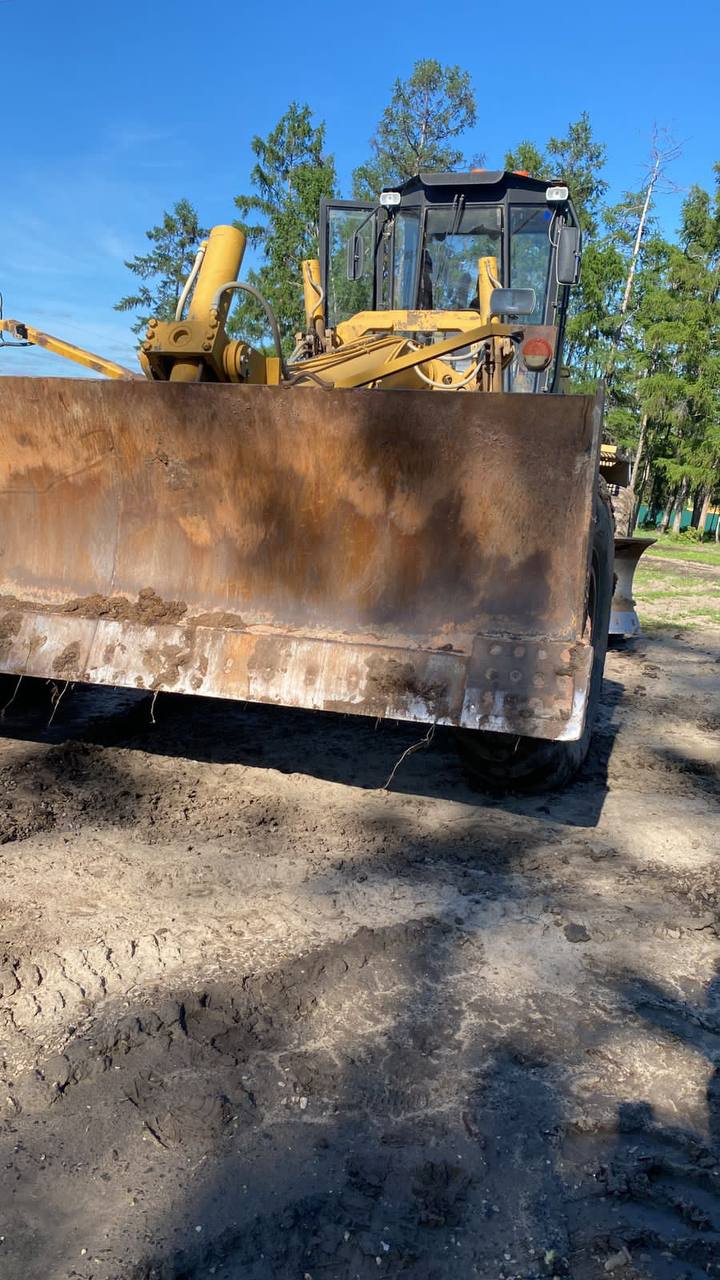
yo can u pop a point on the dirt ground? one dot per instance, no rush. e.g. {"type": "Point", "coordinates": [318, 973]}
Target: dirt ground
{"type": "Point", "coordinates": [261, 1018]}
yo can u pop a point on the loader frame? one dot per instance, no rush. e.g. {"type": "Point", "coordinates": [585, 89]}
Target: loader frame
{"type": "Point", "coordinates": [325, 530]}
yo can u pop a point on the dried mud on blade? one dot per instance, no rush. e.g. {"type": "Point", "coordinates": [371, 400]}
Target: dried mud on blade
{"type": "Point", "coordinates": [390, 553]}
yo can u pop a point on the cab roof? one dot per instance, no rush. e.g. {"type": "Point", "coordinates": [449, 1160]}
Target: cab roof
{"type": "Point", "coordinates": [482, 183]}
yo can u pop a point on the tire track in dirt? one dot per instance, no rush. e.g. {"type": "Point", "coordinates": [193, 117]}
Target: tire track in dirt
{"type": "Point", "coordinates": [262, 1020]}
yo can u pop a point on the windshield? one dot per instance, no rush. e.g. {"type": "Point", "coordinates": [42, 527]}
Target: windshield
{"type": "Point", "coordinates": [530, 254]}
{"type": "Point", "coordinates": [454, 242]}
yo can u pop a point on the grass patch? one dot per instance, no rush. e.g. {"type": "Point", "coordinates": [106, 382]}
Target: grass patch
{"type": "Point", "coordinates": [678, 549]}
{"type": "Point", "coordinates": [675, 599]}
{"type": "Point", "coordinates": [649, 623]}
{"type": "Point", "coordinates": [667, 593]}
{"type": "Point", "coordinates": [658, 624]}
{"type": "Point", "coordinates": [654, 584]}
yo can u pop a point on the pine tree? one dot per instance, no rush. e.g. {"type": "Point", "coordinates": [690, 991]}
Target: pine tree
{"type": "Point", "coordinates": [577, 160]}
{"type": "Point", "coordinates": [164, 270]}
{"type": "Point", "coordinates": [676, 324]}
{"type": "Point", "coordinates": [280, 217]}
{"type": "Point", "coordinates": [419, 128]}
{"type": "Point", "coordinates": [692, 465]}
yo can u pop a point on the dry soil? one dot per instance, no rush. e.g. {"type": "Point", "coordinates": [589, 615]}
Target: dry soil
{"type": "Point", "coordinates": [260, 1018]}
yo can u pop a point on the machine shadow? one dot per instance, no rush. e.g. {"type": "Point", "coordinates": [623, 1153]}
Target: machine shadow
{"type": "Point", "coordinates": [354, 751]}
{"type": "Point", "coordinates": [381, 1096]}
{"type": "Point", "coordinates": [365, 1100]}
{"type": "Point", "coordinates": [377, 1097]}
{"type": "Point", "coordinates": [650, 1194]}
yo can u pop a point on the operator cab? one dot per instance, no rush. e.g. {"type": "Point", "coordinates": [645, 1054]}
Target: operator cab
{"type": "Point", "coordinates": [420, 247]}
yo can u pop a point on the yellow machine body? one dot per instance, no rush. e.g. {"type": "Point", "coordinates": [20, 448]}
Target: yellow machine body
{"type": "Point", "coordinates": [27, 334]}
{"type": "Point", "coordinates": [319, 531]}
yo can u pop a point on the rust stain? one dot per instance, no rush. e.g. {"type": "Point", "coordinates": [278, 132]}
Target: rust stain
{"type": "Point", "coordinates": [284, 530]}
{"type": "Point", "coordinates": [197, 529]}
{"type": "Point", "coordinates": [355, 512]}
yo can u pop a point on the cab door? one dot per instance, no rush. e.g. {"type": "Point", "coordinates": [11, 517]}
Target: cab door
{"type": "Point", "coordinates": [339, 221]}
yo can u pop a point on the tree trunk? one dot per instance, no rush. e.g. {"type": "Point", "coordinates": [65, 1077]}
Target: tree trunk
{"type": "Point", "coordinates": [638, 239]}
{"type": "Point", "coordinates": [668, 511]}
{"type": "Point", "coordinates": [638, 456]}
{"type": "Point", "coordinates": [679, 508]}
{"type": "Point", "coordinates": [639, 497]}
{"type": "Point", "coordinates": [702, 521]}
{"type": "Point", "coordinates": [654, 175]}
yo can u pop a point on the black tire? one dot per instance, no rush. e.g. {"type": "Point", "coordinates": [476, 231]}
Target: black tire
{"type": "Point", "coordinates": [506, 762]}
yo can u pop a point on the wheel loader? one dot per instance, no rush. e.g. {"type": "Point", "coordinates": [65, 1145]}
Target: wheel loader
{"type": "Point", "coordinates": [404, 517]}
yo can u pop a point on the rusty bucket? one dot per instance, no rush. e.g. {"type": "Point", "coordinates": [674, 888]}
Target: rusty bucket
{"type": "Point", "coordinates": [391, 553]}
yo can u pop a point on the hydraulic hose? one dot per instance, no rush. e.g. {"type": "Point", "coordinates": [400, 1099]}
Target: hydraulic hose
{"type": "Point", "coordinates": [187, 287]}
{"type": "Point", "coordinates": [239, 285]}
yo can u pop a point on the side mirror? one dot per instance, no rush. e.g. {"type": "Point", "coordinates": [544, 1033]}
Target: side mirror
{"type": "Point", "coordinates": [355, 257]}
{"type": "Point", "coordinates": [568, 255]}
{"type": "Point", "coordinates": [512, 302]}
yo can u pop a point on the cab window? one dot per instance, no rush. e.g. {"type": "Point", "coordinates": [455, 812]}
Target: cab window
{"type": "Point", "coordinates": [530, 254]}
{"type": "Point", "coordinates": [406, 232]}
{"type": "Point", "coordinates": [346, 297]}
{"type": "Point", "coordinates": [455, 241]}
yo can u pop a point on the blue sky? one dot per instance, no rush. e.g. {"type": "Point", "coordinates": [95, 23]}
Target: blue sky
{"type": "Point", "coordinates": [113, 111]}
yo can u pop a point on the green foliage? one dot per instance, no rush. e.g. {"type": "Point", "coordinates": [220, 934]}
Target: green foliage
{"type": "Point", "coordinates": [677, 326]}
{"type": "Point", "coordinates": [164, 270]}
{"type": "Point", "coordinates": [645, 318]}
{"type": "Point", "coordinates": [418, 129]}
{"type": "Point", "coordinates": [291, 175]}
{"type": "Point", "coordinates": [577, 160]}
{"type": "Point", "coordinates": [529, 158]}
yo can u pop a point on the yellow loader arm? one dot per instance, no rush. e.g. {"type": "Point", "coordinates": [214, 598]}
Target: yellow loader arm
{"type": "Point", "coordinates": [36, 338]}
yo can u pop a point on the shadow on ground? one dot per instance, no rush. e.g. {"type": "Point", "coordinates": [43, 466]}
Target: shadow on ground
{"type": "Point", "coordinates": [392, 1103]}
{"type": "Point", "coordinates": [352, 750]}
{"type": "Point", "coordinates": [370, 1109]}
